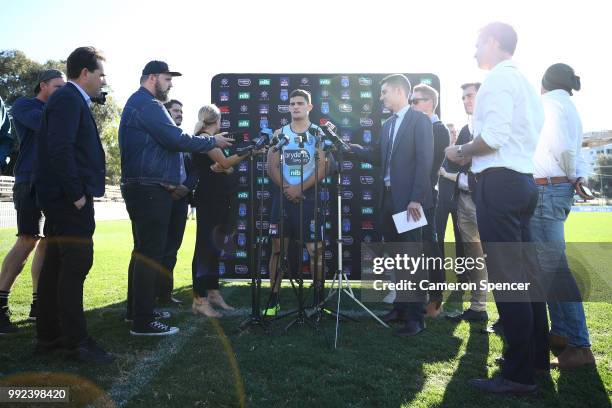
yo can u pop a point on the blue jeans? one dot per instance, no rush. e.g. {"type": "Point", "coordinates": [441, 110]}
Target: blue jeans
{"type": "Point", "coordinates": [547, 227]}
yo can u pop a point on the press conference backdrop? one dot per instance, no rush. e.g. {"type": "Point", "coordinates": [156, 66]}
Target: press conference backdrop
{"type": "Point", "coordinates": [249, 102]}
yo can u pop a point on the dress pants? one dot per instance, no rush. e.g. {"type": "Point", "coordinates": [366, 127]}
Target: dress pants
{"type": "Point", "coordinates": [68, 259]}
{"type": "Point", "coordinates": [505, 201]}
{"type": "Point", "coordinates": [150, 208]}
{"type": "Point", "coordinates": [411, 303]}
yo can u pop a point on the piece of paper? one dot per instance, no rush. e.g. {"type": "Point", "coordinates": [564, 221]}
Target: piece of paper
{"type": "Point", "coordinates": [402, 224]}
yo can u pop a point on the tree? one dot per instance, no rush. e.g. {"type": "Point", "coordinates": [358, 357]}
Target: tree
{"type": "Point", "coordinates": [602, 175]}
{"type": "Point", "coordinates": [18, 76]}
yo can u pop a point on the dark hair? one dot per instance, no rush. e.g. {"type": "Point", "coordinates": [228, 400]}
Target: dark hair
{"type": "Point", "coordinates": [83, 57]}
{"type": "Point", "coordinates": [503, 33]}
{"type": "Point", "coordinates": [171, 102]}
{"type": "Point", "coordinates": [470, 84]}
{"type": "Point", "coordinates": [302, 93]}
{"type": "Point", "coordinates": [398, 81]}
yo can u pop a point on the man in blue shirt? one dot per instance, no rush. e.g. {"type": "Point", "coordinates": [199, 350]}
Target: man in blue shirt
{"type": "Point", "coordinates": [151, 146]}
{"type": "Point", "coordinates": [27, 114]}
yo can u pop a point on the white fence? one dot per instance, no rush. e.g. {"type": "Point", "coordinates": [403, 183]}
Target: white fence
{"type": "Point", "coordinates": [109, 207]}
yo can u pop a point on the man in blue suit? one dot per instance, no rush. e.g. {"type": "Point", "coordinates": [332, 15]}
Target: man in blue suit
{"type": "Point", "coordinates": [69, 171]}
{"type": "Point", "coordinates": [404, 152]}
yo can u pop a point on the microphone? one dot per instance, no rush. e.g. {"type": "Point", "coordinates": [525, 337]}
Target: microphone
{"type": "Point", "coordinates": [282, 141]}
{"type": "Point", "coordinates": [264, 138]}
{"type": "Point", "coordinates": [330, 132]}
{"type": "Point", "coordinates": [243, 151]}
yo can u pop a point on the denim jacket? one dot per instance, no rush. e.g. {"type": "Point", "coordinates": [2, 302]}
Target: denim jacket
{"type": "Point", "coordinates": [150, 142]}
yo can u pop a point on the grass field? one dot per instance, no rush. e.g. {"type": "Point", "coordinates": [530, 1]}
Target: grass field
{"type": "Point", "coordinates": [210, 363]}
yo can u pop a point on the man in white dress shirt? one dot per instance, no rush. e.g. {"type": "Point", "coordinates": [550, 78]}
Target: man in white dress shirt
{"type": "Point", "coordinates": [507, 121]}
{"type": "Point", "coordinates": [559, 170]}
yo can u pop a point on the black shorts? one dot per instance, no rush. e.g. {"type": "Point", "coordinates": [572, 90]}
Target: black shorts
{"type": "Point", "coordinates": [292, 218]}
{"type": "Point", "coordinates": [29, 215]}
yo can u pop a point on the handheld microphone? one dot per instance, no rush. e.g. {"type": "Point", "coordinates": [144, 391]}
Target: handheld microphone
{"type": "Point", "coordinates": [282, 141]}
{"type": "Point", "coordinates": [264, 138]}
{"type": "Point", "coordinates": [100, 99]}
{"type": "Point", "coordinates": [330, 131]}
{"type": "Point", "coordinates": [243, 151]}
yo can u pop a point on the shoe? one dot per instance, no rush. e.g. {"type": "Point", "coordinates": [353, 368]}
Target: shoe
{"type": "Point", "coordinates": [271, 311]}
{"type": "Point", "coordinates": [88, 351]}
{"type": "Point", "coordinates": [157, 315]}
{"type": "Point", "coordinates": [6, 327]}
{"type": "Point", "coordinates": [471, 316]}
{"type": "Point", "coordinates": [201, 305]}
{"type": "Point", "coordinates": [217, 300]}
{"type": "Point", "coordinates": [573, 357]}
{"type": "Point", "coordinates": [494, 328]}
{"type": "Point", "coordinates": [390, 297]}
{"type": "Point", "coordinates": [394, 315]}
{"type": "Point", "coordinates": [433, 309]}
{"type": "Point", "coordinates": [500, 385]}
{"type": "Point", "coordinates": [154, 328]}
{"type": "Point", "coordinates": [557, 343]}
{"type": "Point", "coordinates": [412, 328]}
{"type": "Point", "coordinates": [33, 312]}
{"type": "Point", "coordinates": [169, 302]}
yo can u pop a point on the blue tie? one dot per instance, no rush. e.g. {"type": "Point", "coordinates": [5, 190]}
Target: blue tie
{"type": "Point", "coordinates": [389, 144]}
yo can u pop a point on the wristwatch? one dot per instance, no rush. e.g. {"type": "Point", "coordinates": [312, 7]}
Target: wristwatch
{"type": "Point", "coordinates": [460, 150]}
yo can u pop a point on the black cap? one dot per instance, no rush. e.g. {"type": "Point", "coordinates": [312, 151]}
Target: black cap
{"type": "Point", "coordinates": [158, 67]}
{"type": "Point", "coordinates": [560, 76]}
{"type": "Point", "coordinates": [47, 75]}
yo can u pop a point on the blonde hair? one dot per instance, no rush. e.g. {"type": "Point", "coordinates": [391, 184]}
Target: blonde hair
{"type": "Point", "coordinates": [207, 115]}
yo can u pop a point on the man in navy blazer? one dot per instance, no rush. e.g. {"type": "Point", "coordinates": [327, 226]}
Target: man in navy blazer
{"type": "Point", "coordinates": [69, 171]}
{"type": "Point", "coordinates": [404, 152]}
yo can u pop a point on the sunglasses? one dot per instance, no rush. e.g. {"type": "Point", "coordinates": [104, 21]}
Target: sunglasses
{"type": "Point", "coordinates": [415, 101]}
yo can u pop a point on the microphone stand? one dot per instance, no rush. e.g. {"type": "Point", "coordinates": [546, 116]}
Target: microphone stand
{"type": "Point", "coordinates": [255, 319]}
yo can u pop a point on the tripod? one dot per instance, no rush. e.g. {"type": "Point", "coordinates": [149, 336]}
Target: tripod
{"type": "Point", "coordinates": [340, 283]}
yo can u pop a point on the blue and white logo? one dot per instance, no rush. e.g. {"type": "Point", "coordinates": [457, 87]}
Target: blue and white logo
{"type": "Point", "coordinates": [224, 96]}
{"type": "Point", "coordinates": [367, 136]}
{"type": "Point", "coordinates": [325, 108]}
{"type": "Point", "coordinates": [284, 95]}
{"type": "Point", "coordinates": [344, 81]}
{"type": "Point", "coordinates": [284, 81]}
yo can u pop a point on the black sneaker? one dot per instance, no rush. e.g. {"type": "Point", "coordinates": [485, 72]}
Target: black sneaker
{"type": "Point", "coordinates": [6, 327]}
{"type": "Point", "coordinates": [472, 316]}
{"type": "Point", "coordinates": [157, 315]}
{"type": "Point", "coordinates": [154, 328]}
{"type": "Point", "coordinates": [48, 348]}
{"type": "Point", "coordinates": [33, 312]}
{"type": "Point", "coordinates": [88, 351]}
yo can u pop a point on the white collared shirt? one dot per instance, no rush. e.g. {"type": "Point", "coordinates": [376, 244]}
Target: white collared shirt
{"type": "Point", "coordinates": [558, 151]}
{"type": "Point", "coordinates": [508, 116]}
{"type": "Point", "coordinates": [400, 117]}
{"type": "Point", "coordinates": [85, 96]}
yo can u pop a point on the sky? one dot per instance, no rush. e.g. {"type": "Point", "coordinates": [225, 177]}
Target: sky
{"type": "Point", "coordinates": [202, 39]}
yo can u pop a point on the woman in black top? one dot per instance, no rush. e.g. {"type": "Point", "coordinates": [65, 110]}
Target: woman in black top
{"type": "Point", "coordinates": [214, 213]}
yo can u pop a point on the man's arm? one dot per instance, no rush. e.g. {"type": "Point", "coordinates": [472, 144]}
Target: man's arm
{"type": "Point", "coordinates": [423, 138]}
{"type": "Point", "coordinates": [27, 114]}
{"type": "Point", "coordinates": [158, 123]}
{"type": "Point", "coordinates": [62, 129]}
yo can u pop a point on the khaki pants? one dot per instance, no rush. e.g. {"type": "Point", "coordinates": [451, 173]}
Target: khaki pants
{"type": "Point", "coordinates": [468, 227]}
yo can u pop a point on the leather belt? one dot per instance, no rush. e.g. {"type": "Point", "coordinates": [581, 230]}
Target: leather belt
{"type": "Point", "coordinates": [543, 181]}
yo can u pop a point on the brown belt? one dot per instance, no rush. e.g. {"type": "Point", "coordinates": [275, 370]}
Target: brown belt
{"type": "Point", "coordinates": [551, 180]}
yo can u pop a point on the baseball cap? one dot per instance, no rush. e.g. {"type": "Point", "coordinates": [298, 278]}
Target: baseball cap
{"type": "Point", "coordinates": [158, 67]}
{"type": "Point", "coordinates": [47, 75]}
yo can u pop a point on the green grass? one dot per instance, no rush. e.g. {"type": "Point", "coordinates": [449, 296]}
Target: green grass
{"type": "Point", "coordinates": [212, 364]}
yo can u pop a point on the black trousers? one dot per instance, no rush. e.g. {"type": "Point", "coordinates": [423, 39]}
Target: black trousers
{"type": "Point", "coordinates": [412, 303]}
{"type": "Point", "coordinates": [505, 201]}
{"type": "Point", "coordinates": [176, 230]}
{"type": "Point", "coordinates": [68, 259]}
{"type": "Point", "coordinates": [432, 250]}
{"type": "Point", "coordinates": [214, 223]}
{"type": "Point", "coordinates": [150, 209]}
